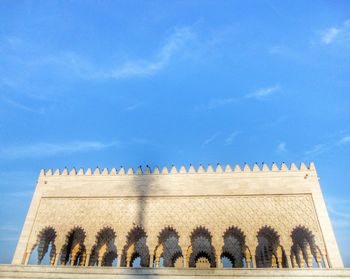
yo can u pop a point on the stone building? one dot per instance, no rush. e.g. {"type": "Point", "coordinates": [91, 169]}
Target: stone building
{"type": "Point", "coordinates": [205, 217]}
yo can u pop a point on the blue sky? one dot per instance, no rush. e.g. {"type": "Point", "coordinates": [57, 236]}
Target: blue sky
{"type": "Point", "coordinates": [131, 83]}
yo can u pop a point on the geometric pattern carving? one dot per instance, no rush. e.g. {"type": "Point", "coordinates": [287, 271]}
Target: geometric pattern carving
{"type": "Point", "coordinates": [230, 226]}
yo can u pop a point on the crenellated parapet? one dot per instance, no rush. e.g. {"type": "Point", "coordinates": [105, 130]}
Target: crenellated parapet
{"type": "Point", "coordinates": [257, 215]}
{"type": "Point", "coordinates": [245, 168]}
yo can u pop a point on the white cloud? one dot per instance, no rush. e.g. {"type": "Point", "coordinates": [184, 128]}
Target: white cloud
{"type": "Point", "coordinates": [336, 34]}
{"type": "Point", "coordinates": [344, 140]}
{"type": "Point", "coordinates": [216, 103]}
{"type": "Point", "coordinates": [329, 35]}
{"type": "Point", "coordinates": [264, 92]}
{"type": "Point", "coordinates": [150, 67]}
{"type": "Point", "coordinates": [221, 102]}
{"type": "Point", "coordinates": [8, 238]}
{"type": "Point", "coordinates": [320, 148]}
{"type": "Point", "coordinates": [281, 147]}
{"type": "Point", "coordinates": [209, 140]}
{"type": "Point", "coordinates": [24, 107]}
{"type": "Point", "coordinates": [72, 65]}
{"type": "Point", "coordinates": [231, 137]}
{"type": "Point", "coordinates": [8, 228]}
{"type": "Point", "coordinates": [51, 149]}
{"type": "Point", "coordinates": [316, 149]}
{"type": "Point", "coordinates": [278, 50]}
{"type": "Point", "coordinates": [142, 141]}
{"type": "Point", "coordinates": [133, 107]}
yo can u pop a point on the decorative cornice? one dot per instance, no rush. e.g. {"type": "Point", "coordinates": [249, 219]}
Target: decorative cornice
{"type": "Point", "coordinates": [245, 168]}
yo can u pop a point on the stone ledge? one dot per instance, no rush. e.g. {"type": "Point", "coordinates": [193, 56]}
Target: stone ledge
{"type": "Point", "coordinates": [35, 271]}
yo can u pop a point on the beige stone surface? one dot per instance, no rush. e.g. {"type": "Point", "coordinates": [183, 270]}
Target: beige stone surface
{"type": "Point", "coordinates": [13, 271]}
{"type": "Point", "coordinates": [281, 199]}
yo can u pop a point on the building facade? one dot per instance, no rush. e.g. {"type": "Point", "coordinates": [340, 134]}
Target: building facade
{"type": "Point", "coordinates": [241, 217]}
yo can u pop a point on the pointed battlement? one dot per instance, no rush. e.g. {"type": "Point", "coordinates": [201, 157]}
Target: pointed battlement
{"type": "Point", "coordinates": [245, 168]}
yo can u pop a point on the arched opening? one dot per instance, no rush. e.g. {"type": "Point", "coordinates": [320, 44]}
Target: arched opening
{"type": "Point", "coordinates": [110, 258]}
{"type": "Point", "coordinates": [44, 251]}
{"type": "Point", "coordinates": [136, 247]}
{"type": "Point", "coordinates": [73, 251]}
{"type": "Point", "coordinates": [135, 260]}
{"type": "Point", "coordinates": [234, 250]}
{"type": "Point", "coordinates": [104, 252]}
{"type": "Point", "coordinates": [269, 252]}
{"type": "Point", "coordinates": [304, 251]}
{"type": "Point", "coordinates": [202, 248]}
{"type": "Point", "coordinates": [202, 260]}
{"type": "Point", "coordinates": [227, 260]}
{"type": "Point", "coordinates": [168, 251]}
{"type": "Point", "coordinates": [178, 260]}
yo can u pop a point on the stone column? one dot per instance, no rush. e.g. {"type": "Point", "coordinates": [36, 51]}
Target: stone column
{"type": "Point", "coordinates": [57, 258]}
{"type": "Point", "coordinates": [288, 253]}
{"type": "Point", "coordinates": [72, 260]}
{"type": "Point", "coordinates": [99, 261]}
{"type": "Point", "coordinates": [218, 261]}
{"type": "Point", "coordinates": [278, 256]}
{"type": "Point", "coordinates": [157, 263]}
{"type": "Point", "coordinates": [119, 260]}
{"type": "Point", "coordinates": [254, 261]}
{"type": "Point", "coordinates": [87, 260]}
{"type": "Point", "coordinates": [248, 261]}
{"type": "Point", "coordinates": [128, 260]}
{"type": "Point", "coordinates": [293, 261]}
{"type": "Point", "coordinates": [309, 256]}
{"type": "Point", "coordinates": [273, 261]}
{"type": "Point", "coordinates": [184, 249]}
{"type": "Point", "coordinates": [151, 260]}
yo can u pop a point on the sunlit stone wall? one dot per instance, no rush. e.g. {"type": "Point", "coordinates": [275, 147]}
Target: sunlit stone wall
{"type": "Point", "coordinates": [209, 217]}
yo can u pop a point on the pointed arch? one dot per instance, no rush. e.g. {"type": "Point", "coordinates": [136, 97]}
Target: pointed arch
{"type": "Point", "coordinates": [168, 247]}
{"type": "Point", "coordinates": [269, 252]}
{"type": "Point", "coordinates": [234, 246]}
{"type": "Point", "coordinates": [304, 249]}
{"type": "Point", "coordinates": [201, 248]}
{"type": "Point", "coordinates": [73, 251]}
{"type": "Point", "coordinates": [135, 247]}
{"type": "Point", "coordinates": [45, 244]}
{"type": "Point", "coordinates": [104, 247]}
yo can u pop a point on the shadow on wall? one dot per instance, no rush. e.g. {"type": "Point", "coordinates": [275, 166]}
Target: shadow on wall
{"type": "Point", "coordinates": [136, 252]}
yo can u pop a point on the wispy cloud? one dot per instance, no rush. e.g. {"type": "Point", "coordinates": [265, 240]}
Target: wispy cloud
{"type": "Point", "coordinates": [316, 149]}
{"type": "Point", "coordinates": [231, 137]}
{"type": "Point", "coordinates": [264, 92]}
{"type": "Point", "coordinates": [8, 228]}
{"type": "Point", "coordinates": [344, 140]}
{"type": "Point", "coordinates": [320, 148]}
{"type": "Point", "coordinates": [216, 103]}
{"type": "Point", "coordinates": [142, 141]}
{"type": "Point", "coordinates": [336, 34]}
{"type": "Point", "coordinates": [161, 59]}
{"type": "Point", "coordinates": [8, 238]}
{"type": "Point", "coordinates": [329, 35]}
{"type": "Point", "coordinates": [209, 140]}
{"type": "Point", "coordinates": [278, 50]}
{"type": "Point", "coordinates": [71, 65]}
{"type": "Point", "coordinates": [260, 93]}
{"type": "Point", "coordinates": [51, 149]}
{"type": "Point", "coordinates": [24, 107]}
{"type": "Point", "coordinates": [281, 147]}
{"type": "Point", "coordinates": [133, 107]}
{"type": "Point", "coordinates": [20, 194]}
